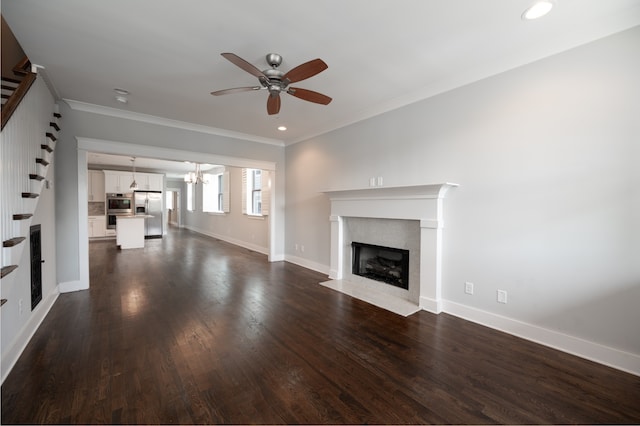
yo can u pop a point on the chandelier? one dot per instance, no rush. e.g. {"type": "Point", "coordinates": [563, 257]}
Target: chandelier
{"type": "Point", "coordinates": [195, 177]}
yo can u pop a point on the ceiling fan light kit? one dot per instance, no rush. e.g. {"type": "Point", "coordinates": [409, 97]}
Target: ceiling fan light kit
{"type": "Point", "coordinates": [276, 81]}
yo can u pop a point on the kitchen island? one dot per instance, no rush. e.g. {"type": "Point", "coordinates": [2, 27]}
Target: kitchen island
{"type": "Point", "coordinates": [130, 231]}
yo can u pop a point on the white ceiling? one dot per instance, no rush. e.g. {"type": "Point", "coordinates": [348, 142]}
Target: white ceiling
{"type": "Point", "coordinates": [382, 54]}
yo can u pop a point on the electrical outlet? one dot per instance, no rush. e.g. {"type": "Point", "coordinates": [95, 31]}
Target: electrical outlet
{"type": "Point", "coordinates": [302, 248]}
{"type": "Point", "coordinates": [502, 296]}
{"type": "Point", "coordinates": [372, 181]}
{"type": "Point", "coordinates": [297, 247]}
{"type": "Point", "coordinates": [468, 288]}
{"type": "Point", "coordinates": [379, 181]}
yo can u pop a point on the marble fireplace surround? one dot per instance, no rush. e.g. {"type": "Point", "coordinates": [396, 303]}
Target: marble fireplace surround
{"type": "Point", "coordinates": [421, 204]}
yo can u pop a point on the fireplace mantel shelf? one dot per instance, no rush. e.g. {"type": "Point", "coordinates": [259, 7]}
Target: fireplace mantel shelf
{"type": "Point", "coordinates": [436, 190]}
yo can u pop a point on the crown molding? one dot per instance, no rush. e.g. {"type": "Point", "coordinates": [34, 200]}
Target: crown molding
{"type": "Point", "coordinates": [152, 119]}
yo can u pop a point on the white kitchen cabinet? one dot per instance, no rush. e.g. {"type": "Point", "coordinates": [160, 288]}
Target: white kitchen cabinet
{"type": "Point", "coordinates": [130, 232]}
{"type": "Point", "coordinates": [156, 182]}
{"type": "Point", "coordinates": [117, 182]}
{"type": "Point", "coordinates": [97, 226]}
{"type": "Point", "coordinates": [95, 186]}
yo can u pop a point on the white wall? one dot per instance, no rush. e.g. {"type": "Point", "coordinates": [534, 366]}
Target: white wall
{"type": "Point", "coordinates": [28, 126]}
{"type": "Point", "coordinates": [548, 161]}
{"type": "Point", "coordinates": [18, 327]}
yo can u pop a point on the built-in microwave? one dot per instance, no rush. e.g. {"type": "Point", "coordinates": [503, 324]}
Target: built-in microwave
{"type": "Point", "coordinates": [119, 204]}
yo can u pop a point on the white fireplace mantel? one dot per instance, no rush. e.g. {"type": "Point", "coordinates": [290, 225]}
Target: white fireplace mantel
{"type": "Point", "coordinates": [423, 203]}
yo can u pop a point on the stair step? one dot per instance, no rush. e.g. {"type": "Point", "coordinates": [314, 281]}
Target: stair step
{"type": "Point", "coordinates": [42, 161]}
{"type": "Point", "coordinates": [33, 176]}
{"type": "Point", "coordinates": [22, 216]}
{"type": "Point", "coordinates": [5, 96]}
{"type": "Point", "coordinates": [3, 301]}
{"type": "Point", "coordinates": [46, 147]}
{"type": "Point", "coordinates": [51, 136]}
{"type": "Point", "coordinates": [54, 125]}
{"type": "Point", "coordinates": [30, 195]}
{"type": "Point", "coordinates": [57, 115]}
{"type": "Point", "coordinates": [6, 270]}
{"type": "Point", "coordinates": [10, 80]}
{"type": "Point", "coordinates": [13, 242]}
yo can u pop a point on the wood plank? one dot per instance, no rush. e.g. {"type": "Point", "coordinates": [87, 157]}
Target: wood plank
{"type": "Point", "coordinates": [12, 242]}
{"type": "Point", "coordinates": [29, 195]}
{"type": "Point", "coordinates": [6, 270]}
{"type": "Point", "coordinates": [22, 216]}
{"type": "Point", "coordinates": [192, 330]}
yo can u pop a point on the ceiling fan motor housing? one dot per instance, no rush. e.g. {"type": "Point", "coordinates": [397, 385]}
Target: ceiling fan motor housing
{"type": "Point", "coordinates": [275, 83]}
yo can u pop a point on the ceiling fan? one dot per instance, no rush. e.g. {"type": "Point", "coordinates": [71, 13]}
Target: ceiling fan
{"type": "Point", "coordinates": [276, 81]}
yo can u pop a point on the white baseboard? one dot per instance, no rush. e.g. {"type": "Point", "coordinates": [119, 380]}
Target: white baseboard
{"type": "Point", "coordinates": [611, 357]}
{"type": "Point", "coordinates": [276, 258]}
{"type": "Point", "coordinates": [621, 360]}
{"type": "Point", "coordinates": [305, 263]}
{"type": "Point", "coordinates": [234, 241]}
{"type": "Point", "coordinates": [69, 286]}
{"type": "Point", "coordinates": [11, 356]}
{"type": "Point", "coordinates": [431, 305]}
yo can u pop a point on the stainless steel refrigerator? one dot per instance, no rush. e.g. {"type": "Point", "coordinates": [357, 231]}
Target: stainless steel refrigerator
{"type": "Point", "coordinates": [150, 203]}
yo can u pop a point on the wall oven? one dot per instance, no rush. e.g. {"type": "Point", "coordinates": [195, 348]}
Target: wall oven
{"type": "Point", "coordinates": [119, 204]}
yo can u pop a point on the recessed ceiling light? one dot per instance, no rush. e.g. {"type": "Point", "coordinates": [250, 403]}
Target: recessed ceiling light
{"type": "Point", "coordinates": [121, 91]}
{"type": "Point", "coordinates": [122, 99]}
{"type": "Point", "coordinates": [282, 128]}
{"type": "Point", "coordinates": [538, 9]}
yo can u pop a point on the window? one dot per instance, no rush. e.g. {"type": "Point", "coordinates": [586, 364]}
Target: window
{"type": "Point", "coordinates": [191, 199]}
{"type": "Point", "coordinates": [213, 193]}
{"type": "Point", "coordinates": [255, 192]}
{"type": "Point", "coordinates": [169, 200]}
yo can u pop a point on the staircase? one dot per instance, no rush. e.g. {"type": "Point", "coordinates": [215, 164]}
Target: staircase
{"type": "Point", "coordinates": [28, 142]}
{"type": "Point", "coordinates": [15, 87]}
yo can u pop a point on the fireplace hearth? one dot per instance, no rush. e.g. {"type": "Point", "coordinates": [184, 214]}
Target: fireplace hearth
{"type": "Point", "coordinates": [385, 264]}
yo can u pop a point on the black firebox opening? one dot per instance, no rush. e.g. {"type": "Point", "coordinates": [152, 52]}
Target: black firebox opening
{"type": "Point", "coordinates": [385, 264]}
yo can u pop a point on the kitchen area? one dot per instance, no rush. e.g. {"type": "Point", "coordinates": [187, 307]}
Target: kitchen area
{"type": "Point", "coordinates": [125, 206]}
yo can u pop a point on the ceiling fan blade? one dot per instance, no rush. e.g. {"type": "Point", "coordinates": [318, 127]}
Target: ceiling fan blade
{"type": "Point", "coordinates": [304, 71]}
{"type": "Point", "coordinates": [238, 61]}
{"type": "Point", "coordinates": [235, 90]}
{"type": "Point", "coordinates": [273, 104]}
{"type": "Point", "coordinates": [309, 95]}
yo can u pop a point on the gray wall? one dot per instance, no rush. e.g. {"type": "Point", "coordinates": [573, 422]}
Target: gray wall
{"type": "Point", "coordinates": [547, 157]}
{"type": "Point", "coordinates": [235, 227]}
{"type": "Point", "coordinates": [82, 124]}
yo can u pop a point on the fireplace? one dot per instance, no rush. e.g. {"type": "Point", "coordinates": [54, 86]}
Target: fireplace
{"type": "Point", "coordinates": [407, 217]}
{"type": "Point", "coordinates": [385, 264]}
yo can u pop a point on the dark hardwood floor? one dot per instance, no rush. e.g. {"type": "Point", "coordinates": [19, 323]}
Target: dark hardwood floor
{"type": "Point", "coordinates": [194, 330]}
